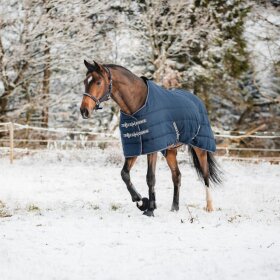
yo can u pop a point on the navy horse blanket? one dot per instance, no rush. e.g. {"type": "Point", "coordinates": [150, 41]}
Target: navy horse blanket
{"type": "Point", "coordinates": [168, 118]}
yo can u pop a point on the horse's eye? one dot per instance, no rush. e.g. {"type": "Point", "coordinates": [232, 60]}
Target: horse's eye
{"type": "Point", "coordinates": [98, 83]}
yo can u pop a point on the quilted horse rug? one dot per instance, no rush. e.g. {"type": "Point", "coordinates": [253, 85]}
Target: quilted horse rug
{"type": "Point", "coordinates": [168, 118]}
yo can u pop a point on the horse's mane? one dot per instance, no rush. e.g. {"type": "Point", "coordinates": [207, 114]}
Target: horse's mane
{"type": "Point", "coordinates": [117, 66]}
{"type": "Point", "coordinates": [114, 66]}
{"type": "Point", "coordinates": [128, 72]}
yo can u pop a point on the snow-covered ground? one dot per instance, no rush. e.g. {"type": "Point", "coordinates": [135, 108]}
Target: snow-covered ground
{"type": "Point", "coordinates": [72, 218]}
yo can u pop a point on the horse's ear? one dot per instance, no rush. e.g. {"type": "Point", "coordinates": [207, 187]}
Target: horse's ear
{"type": "Point", "coordinates": [93, 67]}
{"type": "Point", "coordinates": [98, 67]}
{"type": "Point", "coordinates": [89, 66]}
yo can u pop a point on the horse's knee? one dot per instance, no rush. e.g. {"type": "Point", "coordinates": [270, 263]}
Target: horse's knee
{"type": "Point", "coordinates": [176, 177]}
{"type": "Point", "coordinates": [125, 175]}
{"type": "Point", "coordinates": [178, 174]}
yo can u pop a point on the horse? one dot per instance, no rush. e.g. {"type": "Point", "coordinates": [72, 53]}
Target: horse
{"type": "Point", "coordinates": [133, 94]}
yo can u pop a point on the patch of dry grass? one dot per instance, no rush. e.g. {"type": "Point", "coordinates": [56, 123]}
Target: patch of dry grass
{"type": "Point", "coordinates": [3, 211]}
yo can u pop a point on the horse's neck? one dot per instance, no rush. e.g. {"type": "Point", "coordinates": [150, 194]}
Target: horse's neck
{"type": "Point", "coordinates": [129, 91]}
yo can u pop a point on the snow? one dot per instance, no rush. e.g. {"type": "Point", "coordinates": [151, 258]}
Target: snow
{"type": "Point", "coordinates": [72, 218]}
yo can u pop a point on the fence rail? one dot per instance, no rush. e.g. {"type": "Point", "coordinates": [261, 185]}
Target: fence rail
{"type": "Point", "coordinates": [221, 134]}
{"type": "Point", "coordinates": [10, 128]}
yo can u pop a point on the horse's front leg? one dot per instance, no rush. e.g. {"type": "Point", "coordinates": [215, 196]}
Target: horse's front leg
{"type": "Point", "coordinates": [125, 173]}
{"type": "Point", "coordinates": [151, 181]}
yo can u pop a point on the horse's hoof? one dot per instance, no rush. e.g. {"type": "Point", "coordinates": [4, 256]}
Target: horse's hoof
{"type": "Point", "coordinates": [143, 204]}
{"type": "Point", "coordinates": [209, 209]}
{"type": "Point", "coordinates": [149, 213]}
{"type": "Point", "coordinates": [209, 206]}
{"type": "Point", "coordinates": [174, 207]}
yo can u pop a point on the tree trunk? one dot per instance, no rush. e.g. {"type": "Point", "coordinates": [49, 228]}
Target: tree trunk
{"type": "Point", "coordinates": [46, 88]}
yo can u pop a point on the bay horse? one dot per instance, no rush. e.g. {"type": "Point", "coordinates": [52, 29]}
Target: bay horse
{"type": "Point", "coordinates": [137, 95]}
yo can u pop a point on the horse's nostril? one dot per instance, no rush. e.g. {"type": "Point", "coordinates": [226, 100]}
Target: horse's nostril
{"type": "Point", "coordinates": [85, 113]}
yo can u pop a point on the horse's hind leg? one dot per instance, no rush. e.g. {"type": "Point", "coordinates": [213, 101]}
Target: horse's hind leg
{"type": "Point", "coordinates": [176, 176]}
{"type": "Point", "coordinates": [125, 173]}
{"type": "Point", "coordinates": [202, 158]}
{"type": "Point", "coordinates": [151, 181]}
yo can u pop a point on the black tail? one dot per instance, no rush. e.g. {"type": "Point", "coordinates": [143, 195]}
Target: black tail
{"type": "Point", "coordinates": [215, 173]}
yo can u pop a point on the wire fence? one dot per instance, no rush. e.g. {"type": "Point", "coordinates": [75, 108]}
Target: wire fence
{"type": "Point", "coordinates": [20, 138]}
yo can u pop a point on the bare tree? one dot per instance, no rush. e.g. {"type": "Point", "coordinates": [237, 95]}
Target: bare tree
{"type": "Point", "coordinates": [42, 46]}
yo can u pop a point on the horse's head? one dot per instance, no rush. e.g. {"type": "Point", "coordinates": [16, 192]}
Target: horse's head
{"type": "Point", "coordinates": [98, 88]}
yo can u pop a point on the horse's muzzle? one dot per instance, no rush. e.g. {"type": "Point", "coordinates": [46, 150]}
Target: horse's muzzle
{"type": "Point", "coordinates": [84, 112]}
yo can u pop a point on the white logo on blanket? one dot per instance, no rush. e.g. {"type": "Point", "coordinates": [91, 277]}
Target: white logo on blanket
{"type": "Point", "coordinates": [136, 134]}
{"type": "Point", "coordinates": [131, 124]}
{"type": "Point", "coordinates": [177, 131]}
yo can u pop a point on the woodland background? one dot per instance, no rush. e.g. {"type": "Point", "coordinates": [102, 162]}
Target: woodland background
{"type": "Point", "coordinates": [226, 52]}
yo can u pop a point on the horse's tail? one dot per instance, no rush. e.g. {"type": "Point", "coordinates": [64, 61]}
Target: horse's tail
{"type": "Point", "coordinates": [215, 172]}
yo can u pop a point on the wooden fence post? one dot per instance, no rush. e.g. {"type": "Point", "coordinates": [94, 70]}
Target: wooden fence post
{"type": "Point", "coordinates": [11, 130]}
